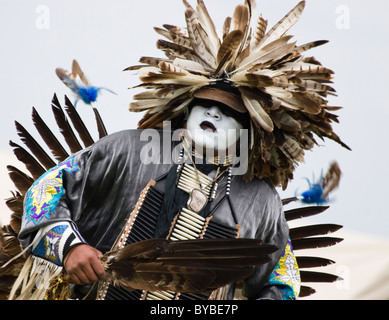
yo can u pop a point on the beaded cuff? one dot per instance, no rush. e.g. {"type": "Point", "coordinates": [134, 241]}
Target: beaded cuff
{"type": "Point", "coordinates": [55, 242]}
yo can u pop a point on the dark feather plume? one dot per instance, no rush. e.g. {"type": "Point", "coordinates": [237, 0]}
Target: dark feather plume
{"type": "Point", "coordinates": [312, 276]}
{"type": "Point", "coordinates": [32, 165]}
{"type": "Point", "coordinates": [34, 147]}
{"type": "Point", "coordinates": [306, 291]}
{"type": "Point", "coordinates": [22, 181]}
{"type": "Point", "coordinates": [15, 203]}
{"type": "Point", "coordinates": [313, 243]}
{"type": "Point", "coordinates": [304, 212]}
{"type": "Point", "coordinates": [78, 124]}
{"type": "Point", "coordinates": [65, 127]}
{"type": "Point", "coordinates": [6, 283]}
{"type": "Point", "coordinates": [58, 151]}
{"type": "Point", "coordinates": [313, 230]}
{"type": "Point", "coordinates": [289, 200]}
{"type": "Point", "coordinates": [313, 262]}
{"type": "Point", "coordinates": [100, 124]}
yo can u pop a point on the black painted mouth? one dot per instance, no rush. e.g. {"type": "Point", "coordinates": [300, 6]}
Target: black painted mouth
{"type": "Point", "coordinates": [206, 125]}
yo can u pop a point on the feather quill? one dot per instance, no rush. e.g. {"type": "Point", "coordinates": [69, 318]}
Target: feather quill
{"type": "Point", "coordinates": [78, 124]}
{"type": "Point", "coordinates": [34, 147]}
{"type": "Point", "coordinates": [58, 151]}
{"type": "Point", "coordinates": [260, 31]}
{"type": "Point", "coordinates": [240, 19]}
{"type": "Point", "coordinates": [64, 126]}
{"type": "Point", "coordinates": [226, 27]}
{"type": "Point", "coordinates": [313, 230]}
{"type": "Point", "coordinates": [100, 124]}
{"type": "Point", "coordinates": [15, 204]}
{"type": "Point", "coordinates": [32, 165]}
{"type": "Point", "coordinates": [208, 25]}
{"type": "Point", "coordinates": [287, 201]}
{"type": "Point", "coordinates": [304, 212]}
{"type": "Point", "coordinates": [175, 49]}
{"type": "Point", "coordinates": [191, 66]}
{"type": "Point", "coordinates": [21, 180]}
{"type": "Point", "coordinates": [272, 52]}
{"type": "Point", "coordinates": [256, 110]}
{"type": "Point", "coordinates": [312, 276]}
{"type": "Point", "coordinates": [77, 72]}
{"type": "Point", "coordinates": [313, 243]}
{"type": "Point", "coordinates": [228, 50]}
{"type": "Point", "coordinates": [332, 179]}
{"type": "Point", "coordinates": [308, 46]}
{"type": "Point", "coordinates": [313, 262]}
{"type": "Point", "coordinates": [284, 24]}
{"type": "Point", "coordinates": [196, 40]}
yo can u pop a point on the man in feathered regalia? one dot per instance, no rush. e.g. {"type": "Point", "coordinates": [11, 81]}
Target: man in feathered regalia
{"type": "Point", "coordinates": [237, 112]}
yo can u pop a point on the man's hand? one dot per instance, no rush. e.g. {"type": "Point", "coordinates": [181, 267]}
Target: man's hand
{"type": "Point", "coordinates": [83, 265]}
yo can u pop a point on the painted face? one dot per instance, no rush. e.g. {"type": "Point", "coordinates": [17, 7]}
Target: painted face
{"type": "Point", "coordinates": [210, 128]}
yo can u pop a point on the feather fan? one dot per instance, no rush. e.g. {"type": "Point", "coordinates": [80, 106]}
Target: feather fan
{"type": "Point", "coordinates": [185, 266]}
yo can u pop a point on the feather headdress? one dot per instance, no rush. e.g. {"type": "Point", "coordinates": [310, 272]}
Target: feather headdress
{"type": "Point", "coordinates": [283, 91]}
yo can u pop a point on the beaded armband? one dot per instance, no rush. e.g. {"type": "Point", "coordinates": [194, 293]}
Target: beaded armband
{"type": "Point", "coordinates": [55, 242]}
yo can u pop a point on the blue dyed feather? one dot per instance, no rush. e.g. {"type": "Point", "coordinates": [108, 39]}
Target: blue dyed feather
{"type": "Point", "coordinates": [79, 85]}
{"type": "Point", "coordinates": [319, 191]}
{"type": "Point", "coordinates": [88, 94]}
{"type": "Point", "coordinates": [314, 195]}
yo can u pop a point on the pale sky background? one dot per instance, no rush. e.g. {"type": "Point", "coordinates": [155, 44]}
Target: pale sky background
{"type": "Point", "coordinates": [108, 36]}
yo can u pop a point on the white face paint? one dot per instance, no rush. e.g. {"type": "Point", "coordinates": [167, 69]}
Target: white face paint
{"type": "Point", "coordinates": [210, 128]}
